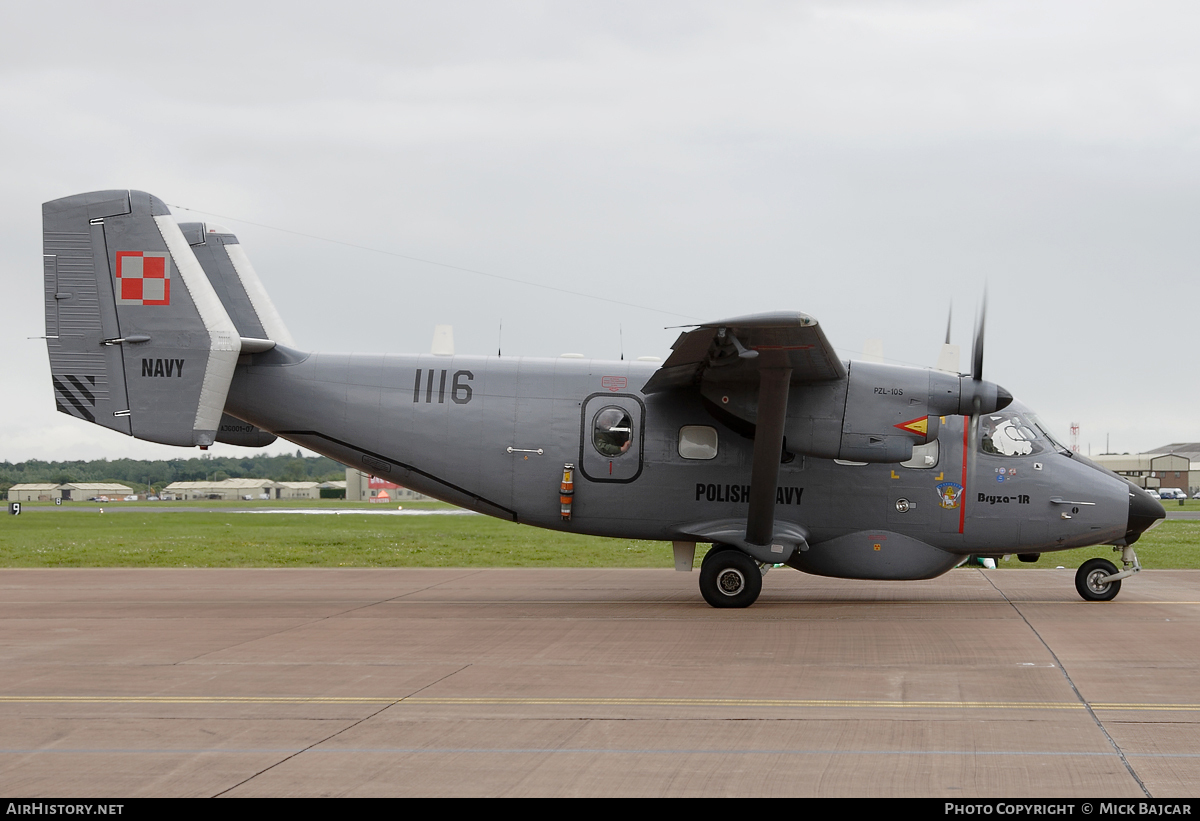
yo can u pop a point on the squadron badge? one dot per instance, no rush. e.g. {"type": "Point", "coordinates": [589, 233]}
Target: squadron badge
{"type": "Point", "coordinates": [949, 494]}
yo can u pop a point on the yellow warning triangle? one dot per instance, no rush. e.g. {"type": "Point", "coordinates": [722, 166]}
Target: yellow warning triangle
{"type": "Point", "coordinates": [918, 426]}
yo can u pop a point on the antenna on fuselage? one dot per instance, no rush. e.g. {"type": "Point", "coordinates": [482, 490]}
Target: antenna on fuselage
{"type": "Point", "coordinates": [873, 350]}
{"type": "Point", "coordinates": [949, 359]}
{"type": "Point", "coordinates": [443, 341]}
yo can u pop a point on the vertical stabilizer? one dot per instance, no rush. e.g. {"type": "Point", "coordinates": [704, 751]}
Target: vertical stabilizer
{"type": "Point", "coordinates": [138, 338]}
{"type": "Point", "coordinates": [236, 282]}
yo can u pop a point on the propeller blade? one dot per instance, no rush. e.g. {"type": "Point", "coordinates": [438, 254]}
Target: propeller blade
{"type": "Point", "coordinates": [977, 400]}
{"type": "Point", "coordinates": [977, 350]}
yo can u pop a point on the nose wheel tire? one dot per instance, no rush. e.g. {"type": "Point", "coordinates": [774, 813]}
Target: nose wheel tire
{"type": "Point", "coordinates": [1087, 580]}
{"type": "Point", "coordinates": [730, 578]}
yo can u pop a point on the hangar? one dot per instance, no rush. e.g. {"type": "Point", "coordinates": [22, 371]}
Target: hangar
{"type": "Point", "coordinates": [1175, 465]}
{"type": "Point", "coordinates": [68, 492]}
{"type": "Point", "coordinates": [234, 489]}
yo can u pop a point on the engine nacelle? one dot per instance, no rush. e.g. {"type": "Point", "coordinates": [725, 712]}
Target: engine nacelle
{"type": "Point", "coordinates": [878, 413]}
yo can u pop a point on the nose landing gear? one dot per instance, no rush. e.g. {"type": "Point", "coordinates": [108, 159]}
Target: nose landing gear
{"type": "Point", "coordinates": [1090, 580]}
{"type": "Point", "coordinates": [1098, 579]}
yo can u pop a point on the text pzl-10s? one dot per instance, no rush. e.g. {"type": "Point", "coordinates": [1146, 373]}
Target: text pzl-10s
{"type": "Point", "coordinates": [753, 434]}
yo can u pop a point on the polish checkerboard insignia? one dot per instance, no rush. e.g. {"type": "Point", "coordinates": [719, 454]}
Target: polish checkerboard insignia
{"type": "Point", "coordinates": [143, 278]}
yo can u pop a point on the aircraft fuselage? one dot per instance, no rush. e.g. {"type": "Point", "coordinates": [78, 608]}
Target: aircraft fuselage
{"type": "Point", "coordinates": [493, 434]}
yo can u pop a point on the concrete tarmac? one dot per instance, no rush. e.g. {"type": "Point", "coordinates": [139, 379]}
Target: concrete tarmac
{"type": "Point", "coordinates": [541, 682]}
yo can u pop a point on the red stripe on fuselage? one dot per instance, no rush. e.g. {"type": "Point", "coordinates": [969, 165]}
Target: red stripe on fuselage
{"type": "Point", "coordinates": [962, 505]}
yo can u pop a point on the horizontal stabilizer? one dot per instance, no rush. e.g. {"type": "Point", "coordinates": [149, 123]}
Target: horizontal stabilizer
{"type": "Point", "coordinates": [234, 431]}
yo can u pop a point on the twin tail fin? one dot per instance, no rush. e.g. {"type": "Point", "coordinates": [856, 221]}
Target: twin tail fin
{"type": "Point", "coordinates": [146, 318]}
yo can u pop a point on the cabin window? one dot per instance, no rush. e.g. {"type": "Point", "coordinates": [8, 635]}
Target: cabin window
{"type": "Point", "coordinates": [612, 431]}
{"type": "Point", "coordinates": [698, 442]}
{"type": "Point", "coordinates": [924, 456]}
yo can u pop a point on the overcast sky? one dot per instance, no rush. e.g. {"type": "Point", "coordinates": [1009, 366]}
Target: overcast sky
{"type": "Point", "coordinates": [868, 163]}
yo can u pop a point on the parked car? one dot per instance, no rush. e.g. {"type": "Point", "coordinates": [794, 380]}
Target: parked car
{"type": "Point", "coordinates": [1171, 493]}
{"type": "Point", "coordinates": [1153, 492]}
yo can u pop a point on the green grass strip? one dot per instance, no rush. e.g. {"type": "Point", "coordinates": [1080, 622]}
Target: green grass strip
{"type": "Point", "coordinates": [46, 536]}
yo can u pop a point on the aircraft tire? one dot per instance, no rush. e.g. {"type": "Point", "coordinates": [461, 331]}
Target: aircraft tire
{"type": "Point", "coordinates": [730, 578]}
{"type": "Point", "coordinates": [1088, 586]}
{"type": "Point", "coordinates": [714, 551]}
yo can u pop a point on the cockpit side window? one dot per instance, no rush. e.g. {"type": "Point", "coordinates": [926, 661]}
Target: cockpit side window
{"type": "Point", "coordinates": [612, 431]}
{"type": "Point", "coordinates": [1007, 434]}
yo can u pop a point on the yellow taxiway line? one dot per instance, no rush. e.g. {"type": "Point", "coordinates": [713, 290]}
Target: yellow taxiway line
{"type": "Point", "coordinates": [599, 702]}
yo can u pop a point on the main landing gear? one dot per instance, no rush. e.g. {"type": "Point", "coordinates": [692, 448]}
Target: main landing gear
{"type": "Point", "coordinates": [1098, 579]}
{"type": "Point", "coordinates": [730, 578]}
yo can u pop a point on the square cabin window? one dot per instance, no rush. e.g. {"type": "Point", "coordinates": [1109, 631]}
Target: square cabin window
{"type": "Point", "coordinates": [698, 442]}
{"type": "Point", "coordinates": [924, 456]}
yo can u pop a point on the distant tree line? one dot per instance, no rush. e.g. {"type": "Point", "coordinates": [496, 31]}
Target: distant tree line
{"type": "Point", "coordinates": [158, 474]}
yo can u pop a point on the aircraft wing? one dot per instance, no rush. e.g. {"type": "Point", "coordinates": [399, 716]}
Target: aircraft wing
{"type": "Point", "coordinates": [767, 353]}
{"type": "Point", "coordinates": [735, 349]}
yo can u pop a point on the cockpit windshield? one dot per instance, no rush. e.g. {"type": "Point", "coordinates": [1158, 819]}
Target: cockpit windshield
{"type": "Point", "coordinates": [1045, 433]}
{"type": "Point", "coordinates": [1010, 434]}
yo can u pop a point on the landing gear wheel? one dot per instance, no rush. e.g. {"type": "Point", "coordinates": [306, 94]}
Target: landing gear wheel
{"type": "Point", "coordinates": [730, 578]}
{"type": "Point", "coordinates": [1087, 580]}
{"type": "Point", "coordinates": [713, 551]}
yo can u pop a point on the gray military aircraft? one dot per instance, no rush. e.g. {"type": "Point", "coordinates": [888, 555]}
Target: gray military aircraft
{"type": "Point", "coordinates": [753, 435]}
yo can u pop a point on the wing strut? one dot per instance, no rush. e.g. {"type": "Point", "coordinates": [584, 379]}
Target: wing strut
{"type": "Point", "coordinates": [773, 384]}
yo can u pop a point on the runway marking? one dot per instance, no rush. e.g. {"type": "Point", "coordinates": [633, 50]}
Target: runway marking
{"type": "Point", "coordinates": [569, 750]}
{"type": "Point", "coordinates": [599, 702]}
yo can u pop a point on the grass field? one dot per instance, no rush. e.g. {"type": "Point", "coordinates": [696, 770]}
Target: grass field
{"type": "Point", "coordinates": [44, 536]}
{"type": "Point", "coordinates": [216, 534]}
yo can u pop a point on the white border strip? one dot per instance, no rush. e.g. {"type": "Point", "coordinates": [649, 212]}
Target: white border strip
{"type": "Point", "coordinates": [260, 300]}
{"type": "Point", "coordinates": [224, 341]}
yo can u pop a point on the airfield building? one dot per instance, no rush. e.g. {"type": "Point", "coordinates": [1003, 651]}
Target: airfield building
{"type": "Point", "coordinates": [234, 489]}
{"type": "Point", "coordinates": [362, 487]}
{"type": "Point", "coordinates": [1154, 469]}
{"type": "Point", "coordinates": [68, 492]}
{"type": "Point", "coordinates": [224, 490]}
{"type": "Point", "coordinates": [34, 492]}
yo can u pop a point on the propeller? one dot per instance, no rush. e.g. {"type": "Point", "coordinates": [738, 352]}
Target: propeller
{"type": "Point", "coordinates": [977, 348]}
{"type": "Point", "coordinates": [976, 396]}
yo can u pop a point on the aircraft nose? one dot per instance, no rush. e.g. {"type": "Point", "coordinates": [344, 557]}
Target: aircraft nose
{"type": "Point", "coordinates": [1144, 513]}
